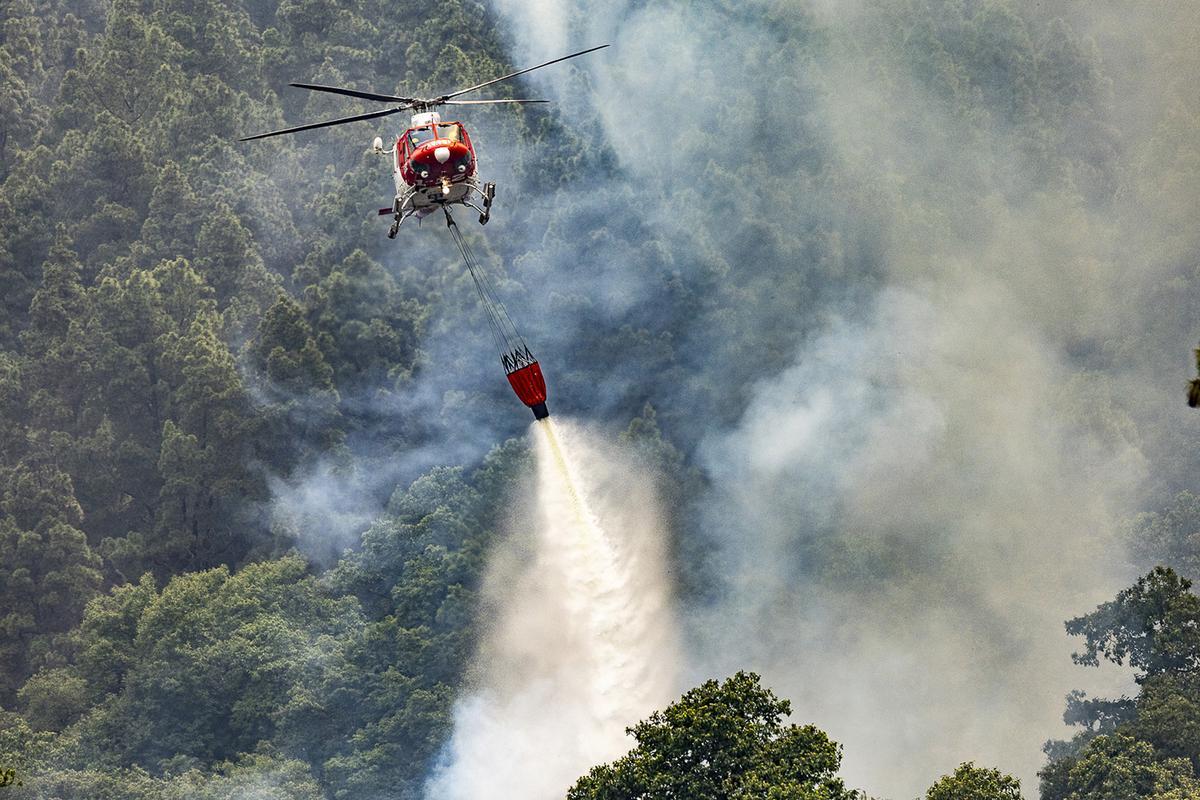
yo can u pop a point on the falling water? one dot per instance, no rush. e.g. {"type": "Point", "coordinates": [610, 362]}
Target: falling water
{"type": "Point", "coordinates": [582, 641]}
{"type": "Point", "coordinates": [598, 597]}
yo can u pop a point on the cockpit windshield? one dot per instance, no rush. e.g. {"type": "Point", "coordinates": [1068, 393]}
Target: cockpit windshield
{"type": "Point", "coordinates": [453, 132]}
{"type": "Point", "coordinates": [418, 136]}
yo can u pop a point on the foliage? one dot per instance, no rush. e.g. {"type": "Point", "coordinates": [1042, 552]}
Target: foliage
{"type": "Point", "coordinates": [1119, 767]}
{"type": "Point", "coordinates": [261, 776]}
{"type": "Point", "coordinates": [722, 740]}
{"type": "Point", "coordinates": [1143, 747]}
{"type": "Point", "coordinates": [1154, 626]}
{"type": "Point", "coordinates": [970, 782]}
{"type": "Point", "coordinates": [1170, 536]}
{"type": "Point", "coordinates": [48, 574]}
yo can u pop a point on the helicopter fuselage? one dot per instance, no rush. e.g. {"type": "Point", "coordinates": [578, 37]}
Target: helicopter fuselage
{"type": "Point", "coordinates": [426, 155]}
{"type": "Point", "coordinates": [433, 166]}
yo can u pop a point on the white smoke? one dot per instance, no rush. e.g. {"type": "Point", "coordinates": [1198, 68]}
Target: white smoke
{"type": "Point", "coordinates": [581, 643]}
{"type": "Point", "coordinates": [904, 516]}
{"type": "Point", "coordinates": [906, 536]}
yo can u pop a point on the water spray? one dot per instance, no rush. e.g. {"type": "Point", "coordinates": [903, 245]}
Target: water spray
{"type": "Point", "coordinates": [584, 641]}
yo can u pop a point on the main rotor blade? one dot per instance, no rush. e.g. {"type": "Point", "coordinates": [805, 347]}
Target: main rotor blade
{"type": "Point", "coordinates": [446, 97]}
{"type": "Point", "coordinates": [486, 102]}
{"type": "Point", "coordinates": [386, 98]}
{"type": "Point", "coordinates": [325, 124]}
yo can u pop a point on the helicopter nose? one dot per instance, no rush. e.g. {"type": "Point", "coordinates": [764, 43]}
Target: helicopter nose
{"type": "Point", "coordinates": [442, 154]}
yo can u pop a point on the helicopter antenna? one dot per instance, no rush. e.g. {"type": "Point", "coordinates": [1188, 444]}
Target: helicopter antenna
{"type": "Point", "coordinates": [414, 103]}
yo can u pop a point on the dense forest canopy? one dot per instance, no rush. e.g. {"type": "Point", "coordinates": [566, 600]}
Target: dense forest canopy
{"type": "Point", "coordinates": [895, 300]}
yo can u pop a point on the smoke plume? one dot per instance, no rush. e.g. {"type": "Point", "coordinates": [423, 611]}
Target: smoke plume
{"type": "Point", "coordinates": [956, 262]}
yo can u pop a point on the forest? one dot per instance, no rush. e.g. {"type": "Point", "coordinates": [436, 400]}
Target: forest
{"type": "Point", "coordinates": [255, 457]}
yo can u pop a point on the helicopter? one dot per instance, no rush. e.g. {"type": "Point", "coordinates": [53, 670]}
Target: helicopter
{"type": "Point", "coordinates": [433, 161]}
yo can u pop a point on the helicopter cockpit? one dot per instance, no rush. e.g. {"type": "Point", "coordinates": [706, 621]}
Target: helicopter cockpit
{"type": "Point", "coordinates": [451, 131]}
{"type": "Point", "coordinates": [419, 136]}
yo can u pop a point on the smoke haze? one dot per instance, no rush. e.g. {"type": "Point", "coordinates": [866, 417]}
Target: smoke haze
{"type": "Point", "coordinates": [975, 350]}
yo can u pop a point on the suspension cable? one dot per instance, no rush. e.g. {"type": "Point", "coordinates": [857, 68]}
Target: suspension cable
{"type": "Point", "coordinates": [504, 331]}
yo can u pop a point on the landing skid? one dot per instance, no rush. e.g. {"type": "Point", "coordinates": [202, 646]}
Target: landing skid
{"type": "Point", "coordinates": [405, 206]}
{"type": "Point", "coordinates": [488, 194]}
{"type": "Point", "coordinates": [402, 208]}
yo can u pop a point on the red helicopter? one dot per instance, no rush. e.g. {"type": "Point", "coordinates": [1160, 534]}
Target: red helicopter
{"type": "Point", "coordinates": [433, 162]}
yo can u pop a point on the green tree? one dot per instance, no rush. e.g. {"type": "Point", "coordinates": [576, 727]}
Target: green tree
{"type": "Point", "coordinates": [108, 634]}
{"type": "Point", "coordinates": [970, 782]}
{"type": "Point", "coordinates": [21, 73]}
{"type": "Point", "coordinates": [1168, 716]}
{"type": "Point", "coordinates": [57, 393]}
{"type": "Point", "coordinates": [260, 776]}
{"type": "Point", "coordinates": [47, 575]}
{"type": "Point", "coordinates": [1147, 747]}
{"type": "Point", "coordinates": [227, 257]}
{"type": "Point", "coordinates": [12, 405]}
{"type": "Point", "coordinates": [202, 668]}
{"type": "Point", "coordinates": [1119, 767]}
{"type": "Point", "coordinates": [1154, 626]}
{"type": "Point", "coordinates": [365, 326]}
{"type": "Point", "coordinates": [53, 698]}
{"type": "Point", "coordinates": [173, 223]}
{"type": "Point", "coordinates": [721, 741]}
{"type": "Point", "coordinates": [59, 298]}
{"type": "Point", "coordinates": [133, 75]}
{"type": "Point", "coordinates": [294, 377]}
{"type": "Point", "coordinates": [205, 447]}
{"type": "Point", "coordinates": [416, 577]}
{"type": "Point", "coordinates": [1170, 536]}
